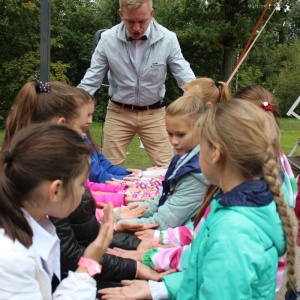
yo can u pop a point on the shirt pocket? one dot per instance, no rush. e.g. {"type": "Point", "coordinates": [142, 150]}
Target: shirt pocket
{"type": "Point", "coordinates": [158, 70]}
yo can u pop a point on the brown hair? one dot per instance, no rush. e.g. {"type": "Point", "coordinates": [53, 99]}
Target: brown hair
{"type": "Point", "coordinates": [191, 107]}
{"type": "Point", "coordinates": [87, 98]}
{"type": "Point", "coordinates": [31, 106]}
{"type": "Point", "coordinates": [255, 153]}
{"type": "Point", "coordinates": [208, 90]}
{"type": "Point", "coordinates": [37, 153]}
{"type": "Point", "coordinates": [258, 95]}
{"type": "Point", "coordinates": [134, 4]}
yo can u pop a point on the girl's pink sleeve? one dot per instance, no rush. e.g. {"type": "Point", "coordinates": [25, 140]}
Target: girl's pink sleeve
{"type": "Point", "coordinates": [116, 199]}
{"type": "Point", "coordinates": [104, 187]}
{"type": "Point", "coordinates": [162, 259]}
{"type": "Point", "coordinates": [280, 272]}
{"type": "Point", "coordinates": [179, 236]}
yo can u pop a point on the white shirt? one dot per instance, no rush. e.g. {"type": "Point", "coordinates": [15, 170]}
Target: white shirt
{"type": "Point", "coordinates": [140, 48]}
{"type": "Point", "coordinates": [26, 273]}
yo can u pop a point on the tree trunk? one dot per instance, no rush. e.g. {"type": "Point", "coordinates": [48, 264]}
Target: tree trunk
{"type": "Point", "coordinates": [227, 62]}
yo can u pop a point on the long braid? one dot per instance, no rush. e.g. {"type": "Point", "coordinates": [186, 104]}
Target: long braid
{"type": "Point", "coordinates": [270, 174]}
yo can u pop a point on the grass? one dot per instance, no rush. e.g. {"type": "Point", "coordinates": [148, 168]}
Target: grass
{"type": "Point", "coordinates": [138, 158]}
{"type": "Point", "coordinates": [290, 133]}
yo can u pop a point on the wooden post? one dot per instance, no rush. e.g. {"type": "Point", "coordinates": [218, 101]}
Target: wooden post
{"type": "Point", "coordinates": [45, 40]}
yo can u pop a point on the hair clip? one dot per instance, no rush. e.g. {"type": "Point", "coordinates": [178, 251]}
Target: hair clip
{"type": "Point", "coordinates": [41, 87]}
{"type": "Point", "coordinates": [218, 84]}
{"type": "Point", "coordinates": [7, 157]}
{"type": "Point", "coordinates": [266, 106]}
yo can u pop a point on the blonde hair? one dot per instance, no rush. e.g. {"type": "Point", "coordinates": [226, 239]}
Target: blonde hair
{"type": "Point", "coordinates": [190, 107]}
{"type": "Point", "coordinates": [249, 139]}
{"type": "Point", "coordinates": [208, 90]}
{"type": "Point", "coordinates": [134, 4]}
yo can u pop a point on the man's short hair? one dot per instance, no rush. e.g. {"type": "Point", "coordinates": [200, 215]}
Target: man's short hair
{"type": "Point", "coordinates": [134, 4]}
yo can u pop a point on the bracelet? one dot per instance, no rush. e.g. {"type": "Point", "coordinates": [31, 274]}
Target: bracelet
{"type": "Point", "coordinates": [91, 266]}
{"type": "Point", "coordinates": [138, 263]}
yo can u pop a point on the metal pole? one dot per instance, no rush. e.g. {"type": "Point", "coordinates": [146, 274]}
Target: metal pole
{"type": "Point", "coordinates": [45, 40]}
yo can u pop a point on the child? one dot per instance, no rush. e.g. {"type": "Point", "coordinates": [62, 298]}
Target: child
{"type": "Point", "coordinates": [64, 104]}
{"type": "Point", "coordinates": [163, 258]}
{"type": "Point", "coordinates": [176, 257]}
{"type": "Point", "coordinates": [103, 171]}
{"type": "Point", "coordinates": [101, 168]}
{"type": "Point", "coordinates": [236, 250]}
{"type": "Point", "coordinates": [57, 103]}
{"type": "Point", "coordinates": [184, 183]}
{"type": "Point", "coordinates": [208, 90]}
{"type": "Point", "coordinates": [267, 101]}
{"type": "Point", "coordinates": [42, 174]}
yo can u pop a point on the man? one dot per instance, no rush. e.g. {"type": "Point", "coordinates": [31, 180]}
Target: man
{"type": "Point", "coordinates": [137, 52]}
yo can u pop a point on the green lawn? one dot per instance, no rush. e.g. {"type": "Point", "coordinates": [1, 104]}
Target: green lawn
{"type": "Point", "coordinates": [137, 157]}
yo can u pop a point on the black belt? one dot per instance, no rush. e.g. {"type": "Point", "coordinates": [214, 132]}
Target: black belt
{"type": "Point", "coordinates": [135, 107]}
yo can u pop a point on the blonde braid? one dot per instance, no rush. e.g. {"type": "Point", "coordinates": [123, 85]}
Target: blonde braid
{"type": "Point", "coordinates": [271, 176]}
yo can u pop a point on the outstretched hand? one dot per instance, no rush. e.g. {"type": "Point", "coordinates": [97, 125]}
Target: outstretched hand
{"type": "Point", "coordinates": [133, 227]}
{"type": "Point", "coordinates": [132, 254]}
{"type": "Point", "coordinates": [97, 248]}
{"type": "Point", "coordinates": [146, 273]}
{"type": "Point", "coordinates": [146, 235]}
{"type": "Point", "coordinates": [131, 289]}
{"type": "Point", "coordinates": [132, 211]}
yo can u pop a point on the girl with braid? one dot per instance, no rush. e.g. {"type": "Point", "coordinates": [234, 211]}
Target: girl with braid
{"type": "Point", "coordinates": [235, 253]}
{"type": "Point", "coordinates": [268, 102]}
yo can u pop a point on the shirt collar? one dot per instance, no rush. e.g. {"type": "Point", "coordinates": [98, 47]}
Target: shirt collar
{"type": "Point", "coordinates": [46, 244]}
{"type": "Point", "coordinates": [253, 193]}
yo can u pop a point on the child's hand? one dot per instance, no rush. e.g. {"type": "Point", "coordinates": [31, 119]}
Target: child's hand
{"type": "Point", "coordinates": [114, 181]}
{"type": "Point", "coordinates": [132, 211]}
{"type": "Point", "coordinates": [145, 272]}
{"type": "Point", "coordinates": [146, 235]}
{"type": "Point", "coordinates": [129, 199]}
{"type": "Point", "coordinates": [135, 172]}
{"type": "Point", "coordinates": [131, 178]}
{"type": "Point", "coordinates": [133, 227]}
{"type": "Point", "coordinates": [97, 248]}
{"type": "Point", "coordinates": [131, 289]}
{"type": "Point", "coordinates": [100, 205]}
{"type": "Point", "coordinates": [132, 254]}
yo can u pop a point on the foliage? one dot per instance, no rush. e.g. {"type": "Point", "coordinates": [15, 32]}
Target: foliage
{"type": "Point", "coordinates": [212, 35]}
{"type": "Point", "coordinates": [137, 157]}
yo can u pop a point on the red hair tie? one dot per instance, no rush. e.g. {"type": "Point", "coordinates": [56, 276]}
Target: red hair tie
{"type": "Point", "coordinates": [266, 106]}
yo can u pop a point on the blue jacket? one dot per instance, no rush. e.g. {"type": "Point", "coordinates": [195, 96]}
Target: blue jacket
{"type": "Point", "coordinates": [190, 166]}
{"type": "Point", "coordinates": [184, 191]}
{"type": "Point", "coordinates": [102, 169]}
{"type": "Point", "coordinates": [235, 254]}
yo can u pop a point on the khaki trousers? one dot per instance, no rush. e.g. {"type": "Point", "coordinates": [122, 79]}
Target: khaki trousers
{"type": "Point", "coordinates": [121, 124]}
